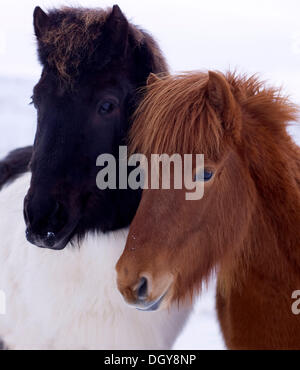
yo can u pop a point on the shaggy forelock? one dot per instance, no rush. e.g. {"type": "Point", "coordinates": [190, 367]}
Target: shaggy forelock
{"type": "Point", "coordinates": [70, 39]}
{"type": "Point", "coordinates": [176, 115]}
{"type": "Point", "coordinates": [75, 41]}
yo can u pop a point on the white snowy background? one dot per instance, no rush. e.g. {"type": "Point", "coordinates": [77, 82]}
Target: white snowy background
{"type": "Point", "coordinates": [253, 36]}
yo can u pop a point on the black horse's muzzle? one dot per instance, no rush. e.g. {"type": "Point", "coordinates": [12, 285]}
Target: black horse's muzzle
{"type": "Point", "coordinates": [48, 225]}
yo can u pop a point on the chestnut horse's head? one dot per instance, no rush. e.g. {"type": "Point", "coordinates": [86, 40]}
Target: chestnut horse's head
{"type": "Point", "coordinates": [175, 243]}
{"type": "Point", "coordinates": [94, 62]}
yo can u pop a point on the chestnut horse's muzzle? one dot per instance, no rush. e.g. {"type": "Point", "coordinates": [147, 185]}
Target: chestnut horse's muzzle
{"type": "Point", "coordinates": [144, 296]}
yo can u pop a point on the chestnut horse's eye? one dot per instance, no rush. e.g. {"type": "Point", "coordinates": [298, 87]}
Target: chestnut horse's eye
{"type": "Point", "coordinates": [106, 107]}
{"type": "Point", "coordinates": [204, 175]}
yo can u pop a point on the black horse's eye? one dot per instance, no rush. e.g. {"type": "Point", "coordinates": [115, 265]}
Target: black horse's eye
{"type": "Point", "coordinates": [106, 107]}
{"type": "Point", "coordinates": [204, 175]}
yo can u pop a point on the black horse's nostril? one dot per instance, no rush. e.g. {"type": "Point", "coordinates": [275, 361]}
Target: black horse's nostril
{"type": "Point", "coordinates": [142, 289]}
{"type": "Point", "coordinates": [27, 218]}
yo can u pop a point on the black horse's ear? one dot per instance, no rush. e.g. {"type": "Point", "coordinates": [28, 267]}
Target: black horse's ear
{"type": "Point", "coordinates": [116, 31]}
{"type": "Point", "coordinates": [40, 22]}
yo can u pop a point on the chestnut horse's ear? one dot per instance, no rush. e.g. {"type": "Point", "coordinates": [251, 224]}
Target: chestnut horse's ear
{"type": "Point", "coordinates": [116, 31]}
{"type": "Point", "coordinates": [222, 100]}
{"type": "Point", "coordinates": [152, 79]}
{"type": "Point", "coordinates": [40, 22]}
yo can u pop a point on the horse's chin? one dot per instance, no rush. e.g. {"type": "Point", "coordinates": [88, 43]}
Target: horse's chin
{"type": "Point", "coordinates": [163, 302]}
{"type": "Point", "coordinates": [61, 240]}
{"type": "Point", "coordinates": [57, 246]}
{"type": "Point", "coordinates": [157, 305]}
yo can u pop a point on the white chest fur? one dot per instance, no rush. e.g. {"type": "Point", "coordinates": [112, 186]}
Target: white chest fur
{"type": "Point", "coordinates": [68, 299]}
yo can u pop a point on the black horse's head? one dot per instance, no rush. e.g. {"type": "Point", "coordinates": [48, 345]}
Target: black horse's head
{"type": "Point", "coordinates": [94, 62]}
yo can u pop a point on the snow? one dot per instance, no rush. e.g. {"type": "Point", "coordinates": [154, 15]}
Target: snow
{"type": "Point", "coordinates": [202, 331]}
{"type": "Point", "coordinates": [17, 117]}
{"type": "Point", "coordinates": [257, 36]}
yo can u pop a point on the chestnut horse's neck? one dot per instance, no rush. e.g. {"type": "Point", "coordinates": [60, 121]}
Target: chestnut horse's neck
{"type": "Point", "coordinates": [271, 249]}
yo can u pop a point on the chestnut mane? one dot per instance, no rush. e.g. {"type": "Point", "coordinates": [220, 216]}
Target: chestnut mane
{"type": "Point", "coordinates": [176, 116]}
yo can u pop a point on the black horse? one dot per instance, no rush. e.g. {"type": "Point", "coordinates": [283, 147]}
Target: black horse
{"type": "Point", "coordinates": [94, 64]}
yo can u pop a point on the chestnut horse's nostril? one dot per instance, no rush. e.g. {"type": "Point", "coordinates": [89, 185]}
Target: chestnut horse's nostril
{"type": "Point", "coordinates": [142, 290]}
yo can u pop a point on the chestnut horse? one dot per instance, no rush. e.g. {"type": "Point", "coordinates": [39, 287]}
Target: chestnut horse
{"type": "Point", "coordinates": [247, 223]}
